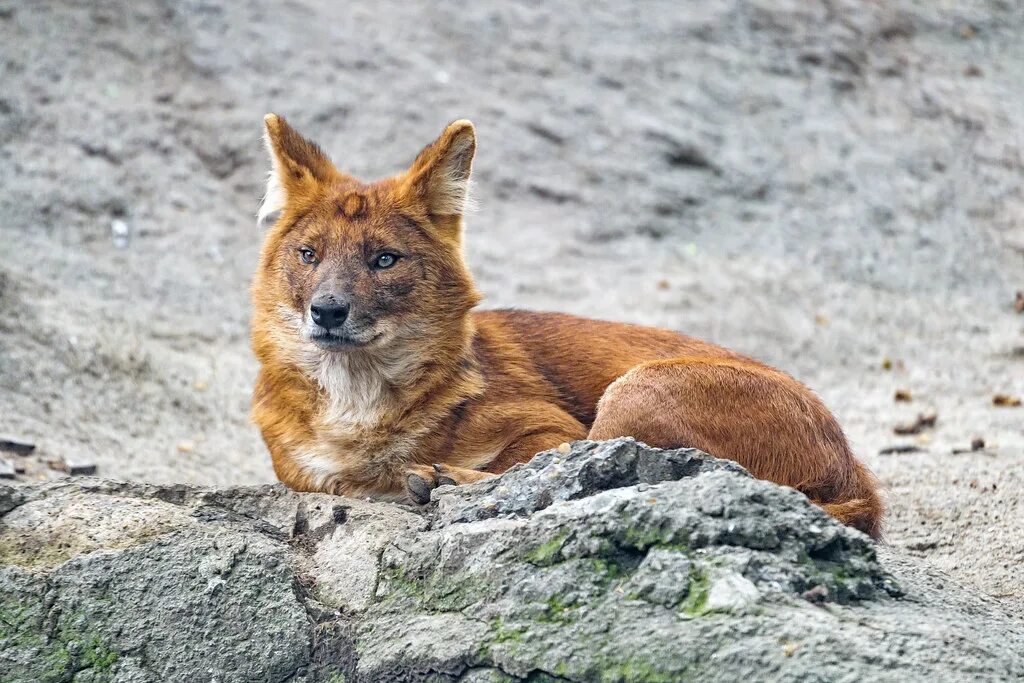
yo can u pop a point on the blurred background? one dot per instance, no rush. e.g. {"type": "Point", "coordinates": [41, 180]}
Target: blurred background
{"type": "Point", "coordinates": [833, 186]}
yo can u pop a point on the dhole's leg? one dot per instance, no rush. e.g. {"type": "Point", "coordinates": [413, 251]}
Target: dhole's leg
{"type": "Point", "coordinates": [524, 448]}
{"type": "Point", "coordinates": [765, 420]}
{"type": "Point", "coordinates": [546, 426]}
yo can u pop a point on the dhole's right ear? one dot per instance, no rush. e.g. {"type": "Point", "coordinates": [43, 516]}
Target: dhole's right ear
{"type": "Point", "coordinates": [298, 166]}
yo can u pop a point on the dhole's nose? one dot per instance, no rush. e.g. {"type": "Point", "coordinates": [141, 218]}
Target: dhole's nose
{"type": "Point", "coordinates": [328, 313]}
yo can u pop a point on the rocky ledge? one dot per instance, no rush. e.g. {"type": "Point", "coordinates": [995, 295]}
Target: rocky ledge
{"type": "Point", "coordinates": [608, 562]}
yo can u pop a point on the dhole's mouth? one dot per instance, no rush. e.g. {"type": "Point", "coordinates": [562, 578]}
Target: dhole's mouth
{"type": "Point", "coordinates": [330, 341]}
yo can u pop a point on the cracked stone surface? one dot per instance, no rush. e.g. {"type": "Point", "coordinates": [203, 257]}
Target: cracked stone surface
{"type": "Point", "coordinates": [610, 562]}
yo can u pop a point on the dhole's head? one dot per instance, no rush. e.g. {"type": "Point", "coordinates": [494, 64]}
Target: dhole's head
{"type": "Point", "coordinates": [362, 267]}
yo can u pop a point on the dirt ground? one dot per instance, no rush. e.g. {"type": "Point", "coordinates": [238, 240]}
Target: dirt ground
{"type": "Point", "coordinates": [834, 186]}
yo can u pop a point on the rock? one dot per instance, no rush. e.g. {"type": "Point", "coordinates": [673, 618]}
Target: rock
{"type": "Point", "coordinates": [611, 561]}
{"type": "Point", "coordinates": [7, 470]}
{"type": "Point", "coordinates": [552, 476]}
{"type": "Point", "coordinates": [119, 233]}
{"type": "Point", "coordinates": [75, 466]}
{"type": "Point", "coordinates": [16, 445]}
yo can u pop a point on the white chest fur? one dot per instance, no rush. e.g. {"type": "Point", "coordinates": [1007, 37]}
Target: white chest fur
{"type": "Point", "coordinates": [359, 450]}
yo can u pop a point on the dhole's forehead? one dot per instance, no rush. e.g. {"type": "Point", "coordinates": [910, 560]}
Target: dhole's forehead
{"type": "Point", "coordinates": [355, 216]}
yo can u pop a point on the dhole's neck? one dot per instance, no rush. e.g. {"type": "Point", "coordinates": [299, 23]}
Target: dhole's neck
{"type": "Point", "coordinates": [379, 387]}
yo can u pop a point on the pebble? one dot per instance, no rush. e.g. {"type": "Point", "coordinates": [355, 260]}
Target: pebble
{"type": "Point", "coordinates": [79, 466]}
{"type": "Point", "coordinates": [6, 469]}
{"type": "Point", "coordinates": [16, 445]}
{"type": "Point", "coordinates": [925, 420]}
{"type": "Point", "coordinates": [817, 594]}
{"type": "Point", "coordinates": [921, 544]}
{"type": "Point", "coordinates": [977, 444]}
{"type": "Point", "coordinates": [119, 233]}
{"type": "Point", "coordinates": [900, 448]}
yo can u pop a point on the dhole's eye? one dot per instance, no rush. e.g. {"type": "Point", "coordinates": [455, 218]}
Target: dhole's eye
{"type": "Point", "coordinates": [307, 255]}
{"type": "Point", "coordinates": [385, 260]}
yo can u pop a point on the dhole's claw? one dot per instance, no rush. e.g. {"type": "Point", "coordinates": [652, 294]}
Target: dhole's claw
{"type": "Point", "coordinates": [444, 477]}
{"type": "Point", "coordinates": [419, 488]}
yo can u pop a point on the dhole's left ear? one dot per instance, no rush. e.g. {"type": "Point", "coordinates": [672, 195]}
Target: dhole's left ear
{"type": "Point", "coordinates": [439, 178]}
{"type": "Point", "coordinates": [297, 166]}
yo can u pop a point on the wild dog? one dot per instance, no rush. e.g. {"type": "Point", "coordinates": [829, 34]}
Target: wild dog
{"type": "Point", "coordinates": [378, 378]}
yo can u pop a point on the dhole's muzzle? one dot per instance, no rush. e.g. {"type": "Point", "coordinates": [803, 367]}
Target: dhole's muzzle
{"type": "Point", "coordinates": [335, 321]}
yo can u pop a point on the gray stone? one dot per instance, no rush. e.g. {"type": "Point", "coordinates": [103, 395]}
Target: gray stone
{"type": "Point", "coordinates": [610, 562]}
{"type": "Point", "coordinates": [551, 476]}
{"type": "Point", "coordinates": [76, 466]}
{"type": "Point", "coordinates": [17, 445]}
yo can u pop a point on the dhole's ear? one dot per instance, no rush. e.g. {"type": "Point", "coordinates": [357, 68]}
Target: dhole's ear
{"type": "Point", "coordinates": [439, 178]}
{"type": "Point", "coordinates": [297, 165]}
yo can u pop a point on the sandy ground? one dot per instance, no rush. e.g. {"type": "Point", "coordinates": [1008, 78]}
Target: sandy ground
{"type": "Point", "coordinates": [822, 184]}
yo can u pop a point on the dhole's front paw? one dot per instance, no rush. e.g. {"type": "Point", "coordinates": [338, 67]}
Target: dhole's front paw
{"type": "Point", "coordinates": [420, 480]}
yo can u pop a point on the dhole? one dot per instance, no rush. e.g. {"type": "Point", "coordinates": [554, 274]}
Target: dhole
{"type": "Point", "coordinates": [377, 377]}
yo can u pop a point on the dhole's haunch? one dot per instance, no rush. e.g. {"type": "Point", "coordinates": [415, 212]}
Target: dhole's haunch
{"type": "Point", "coordinates": [378, 378]}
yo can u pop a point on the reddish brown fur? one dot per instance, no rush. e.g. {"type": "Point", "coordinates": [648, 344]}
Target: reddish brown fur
{"type": "Point", "coordinates": [478, 392]}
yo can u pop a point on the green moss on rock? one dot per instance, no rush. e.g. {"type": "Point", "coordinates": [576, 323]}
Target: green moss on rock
{"type": "Point", "coordinates": [547, 553]}
{"type": "Point", "coordinates": [696, 601]}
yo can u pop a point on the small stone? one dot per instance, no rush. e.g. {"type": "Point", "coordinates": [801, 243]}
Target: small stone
{"type": "Point", "coordinates": [925, 420]}
{"type": "Point", "coordinates": [902, 396]}
{"type": "Point", "coordinates": [119, 233]}
{"type": "Point", "coordinates": [79, 466]}
{"type": "Point", "coordinates": [1006, 401]}
{"type": "Point", "coordinates": [564, 448]}
{"type": "Point", "coordinates": [6, 469]}
{"type": "Point", "coordinates": [731, 593]}
{"type": "Point", "coordinates": [977, 444]}
{"type": "Point", "coordinates": [921, 544]}
{"type": "Point", "coordinates": [900, 448]}
{"type": "Point", "coordinates": [186, 446]}
{"type": "Point", "coordinates": [16, 445]}
{"type": "Point", "coordinates": [817, 595]}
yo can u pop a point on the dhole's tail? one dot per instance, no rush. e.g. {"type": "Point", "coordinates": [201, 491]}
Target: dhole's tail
{"type": "Point", "coordinates": [863, 511]}
{"type": "Point", "coordinates": [860, 513]}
